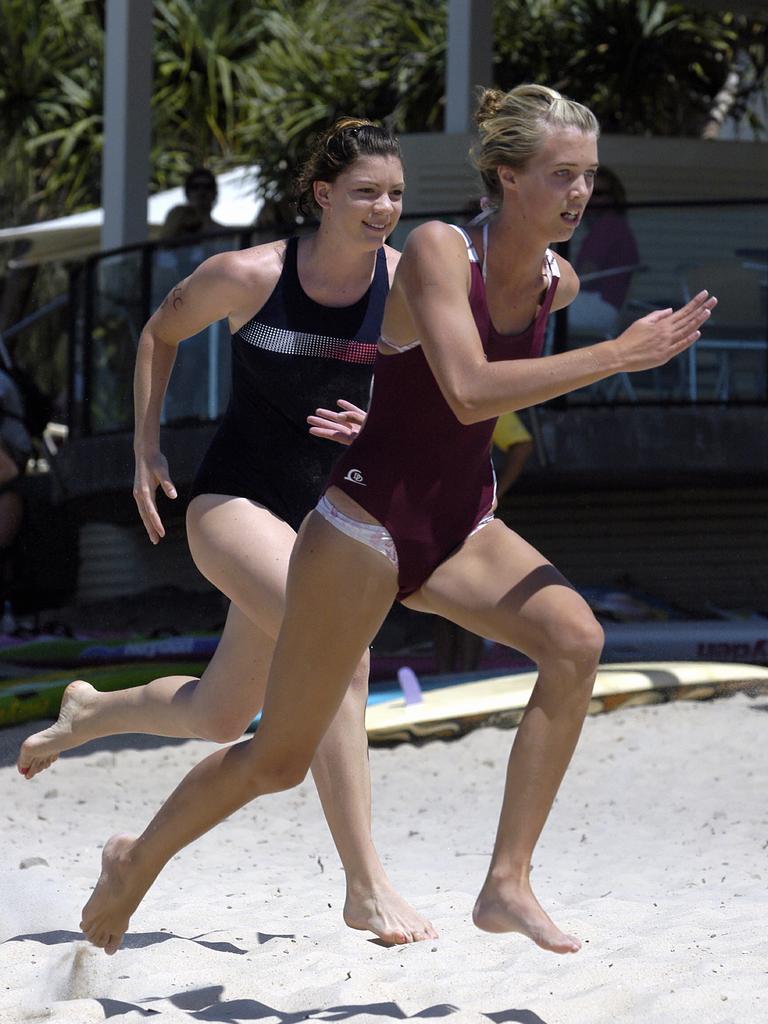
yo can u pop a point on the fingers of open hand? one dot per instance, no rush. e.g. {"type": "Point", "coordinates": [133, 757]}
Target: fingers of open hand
{"type": "Point", "coordinates": [144, 498]}
{"type": "Point", "coordinates": [687, 327]}
{"type": "Point", "coordinates": [696, 311]}
{"type": "Point", "coordinates": [329, 433]}
{"type": "Point", "coordinates": [326, 421]}
{"type": "Point", "coordinates": [167, 485]}
{"type": "Point", "coordinates": [657, 315]}
{"type": "Point", "coordinates": [354, 414]}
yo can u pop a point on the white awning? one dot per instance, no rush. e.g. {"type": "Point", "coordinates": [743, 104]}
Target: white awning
{"type": "Point", "coordinates": [79, 235]}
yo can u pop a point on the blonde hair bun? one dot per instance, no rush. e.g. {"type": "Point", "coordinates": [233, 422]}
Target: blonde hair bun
{"type": "Point", "coordinates": [512, 126]}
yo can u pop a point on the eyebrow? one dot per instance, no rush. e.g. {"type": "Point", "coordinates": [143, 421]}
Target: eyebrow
{"type": "Point", "coordinates": [369, 181]}
{"type": "Point", "coordinates": [564, 163]}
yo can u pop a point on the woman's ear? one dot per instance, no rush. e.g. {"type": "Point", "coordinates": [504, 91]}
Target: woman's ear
{"type": "Point", "coordinates": [321, 190]}
{"type": "Point", "coordinates": [506, 175]}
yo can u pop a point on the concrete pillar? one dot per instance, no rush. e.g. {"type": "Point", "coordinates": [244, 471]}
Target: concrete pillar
{"type": "Point", "coordinates": [127, 121]}
{"type": "Point", "coordinates": [469, 59]}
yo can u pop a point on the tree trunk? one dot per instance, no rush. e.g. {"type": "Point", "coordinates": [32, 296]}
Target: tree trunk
{"type": "Point", "coordinates": [726, 99]}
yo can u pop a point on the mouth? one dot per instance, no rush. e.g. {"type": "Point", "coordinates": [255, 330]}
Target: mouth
{"type": "Point", "coordinates": [571, 217]}
{"type": "Point", "coordinates": [376, 227]}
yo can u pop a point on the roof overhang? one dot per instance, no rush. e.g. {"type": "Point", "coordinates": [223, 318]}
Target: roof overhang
{"type": "Point", "coordinates": [79, 235]}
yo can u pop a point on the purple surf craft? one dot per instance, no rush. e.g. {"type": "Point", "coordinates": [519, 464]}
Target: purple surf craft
{"type": "Point", "coordinates": [409, 684]}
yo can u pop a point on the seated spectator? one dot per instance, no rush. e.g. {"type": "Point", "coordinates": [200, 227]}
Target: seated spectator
{"type": "Point", "coordinates": [201, 191]}
{"type": "Point", "coordinates": [15, 449]}
{"type": "Point", "coordinates": [193, 217]}
{"type": "Point", "coordinates": [606, 259]}
{"type": "Point", "coordinates": [181, 222]}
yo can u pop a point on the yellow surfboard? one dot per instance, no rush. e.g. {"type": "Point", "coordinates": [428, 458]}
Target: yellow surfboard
{"type": "Point", "coordinates": [453, 710]}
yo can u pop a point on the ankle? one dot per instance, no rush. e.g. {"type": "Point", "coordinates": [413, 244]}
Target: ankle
{"type": "Point", "coordinates": [368, 882]}
{"type": "Point", "coordinates": [509, 875]}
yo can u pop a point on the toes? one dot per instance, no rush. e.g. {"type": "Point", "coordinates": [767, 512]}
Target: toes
{"type": "Point", "coordinates": [95, 936]}
{"type": "Point", "coordinates": [36, 765]}
{"type": "Point", "coordinates": [112, 945]}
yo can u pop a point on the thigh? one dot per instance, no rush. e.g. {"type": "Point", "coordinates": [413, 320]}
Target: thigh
{"type": "Point", "coordinates": [339, 591]}
{"type": "Point", "coordinates": [499, 586]}
{"type": "Point", "coordinates": [244, 550]}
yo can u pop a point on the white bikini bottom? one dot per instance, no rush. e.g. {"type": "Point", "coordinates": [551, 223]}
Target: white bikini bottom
{"type": "Point", "coordinates": [373, 534]}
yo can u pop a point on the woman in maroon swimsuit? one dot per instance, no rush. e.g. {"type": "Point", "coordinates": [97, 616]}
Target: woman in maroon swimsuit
{"type": "Point", "coordinates": [409, 510]}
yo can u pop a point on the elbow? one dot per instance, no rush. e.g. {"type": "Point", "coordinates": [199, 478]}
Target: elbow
{"type": "Point", "coordinates": [466, 408]}
{"type": "Point", "coordinates": [467, 416]}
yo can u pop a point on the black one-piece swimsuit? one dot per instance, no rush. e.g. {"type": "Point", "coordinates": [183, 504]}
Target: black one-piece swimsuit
{"type": "Point", "coordinates": [292, 357]}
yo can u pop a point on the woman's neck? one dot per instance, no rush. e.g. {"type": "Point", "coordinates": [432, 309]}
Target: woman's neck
{"type": "Point", "coordinates": [513, 251]}
{"type": "Point", "coordinates": [333, 270]}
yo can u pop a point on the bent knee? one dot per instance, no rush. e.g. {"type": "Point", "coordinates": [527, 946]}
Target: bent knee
{"type": "Point", "coordinates": [576, 638]}
{"type": "Point", "coordinates": [223, 728]}
{"type": "Point", "coordinates": [276, 774]}
{"type": "Point", "coordinates": [358, 684]}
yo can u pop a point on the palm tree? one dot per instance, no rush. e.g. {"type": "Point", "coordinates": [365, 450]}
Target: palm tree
{"type": "Point", "coordinates": [644, 66]}
{"type": "Point", "coordinates": [246, 81]}
{"type": "Point", "coordinates": [50, 107]}
{"type": "Point", "coordinates": [205, 71]}
{"type": "Point", "coordinates": [325, 58]}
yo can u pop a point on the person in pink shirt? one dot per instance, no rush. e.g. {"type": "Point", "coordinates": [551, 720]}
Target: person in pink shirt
{"type": "Point", "coordinates": [606, 260]}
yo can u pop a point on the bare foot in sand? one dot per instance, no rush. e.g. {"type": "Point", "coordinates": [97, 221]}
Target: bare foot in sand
{"type": "Point", "coordinates": [118, 892]}
{"type": "Point", "coordinates": [40, 750]}
{"type": "Point", "coordinates": [507, 907]}
{"type": "Point", "coordinates": [385, 913]}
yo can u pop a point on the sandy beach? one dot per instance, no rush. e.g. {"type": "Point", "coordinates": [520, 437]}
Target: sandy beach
{"type": "Point", "coordinates": [656, 855]}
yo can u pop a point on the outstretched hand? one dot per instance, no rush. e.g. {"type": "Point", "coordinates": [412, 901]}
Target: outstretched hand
{"type": "Point", "coordinates": [660, 336]}
{"type": "Point", "coordinates": [341, 426]}
{"type": "Point", "coordinates": [151, 472]}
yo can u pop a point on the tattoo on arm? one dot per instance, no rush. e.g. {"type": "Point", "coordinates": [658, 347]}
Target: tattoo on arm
{"type": "Point", "coordinates": [173, 298]}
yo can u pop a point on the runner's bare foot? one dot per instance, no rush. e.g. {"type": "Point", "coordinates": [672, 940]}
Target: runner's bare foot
{"type": "Point", "coordinates": [385, 913]}
{"type": "Point", "coordinates": [503, 907]}
{"type": "Point", "coordinates": [118, 892]}
{"type": "Point", "coordinates": [40, 750]}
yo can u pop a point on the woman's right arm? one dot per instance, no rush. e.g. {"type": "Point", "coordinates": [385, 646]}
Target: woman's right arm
{"type": "Point", "coordinates": [211, 293]}
{"type": "Point", "coordinates": [431, 281]}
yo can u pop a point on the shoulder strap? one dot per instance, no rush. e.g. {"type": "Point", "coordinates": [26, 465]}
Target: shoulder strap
{"type": "Point", "coordinates": [471, 251]}
{"type": "Point", "coordinates": [551, 266]}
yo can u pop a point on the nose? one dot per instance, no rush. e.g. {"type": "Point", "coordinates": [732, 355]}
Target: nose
{"type": "Point", "coordinates": [384, 204]}
{"type": "Point", "coordinates": [581, 187]}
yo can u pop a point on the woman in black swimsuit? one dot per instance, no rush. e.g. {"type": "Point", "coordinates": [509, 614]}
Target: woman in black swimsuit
{"type": "Point", "coordinates": [305, 316]}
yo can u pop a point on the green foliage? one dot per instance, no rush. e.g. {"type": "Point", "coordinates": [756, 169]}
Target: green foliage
{"type": "Point", "coordinates": [50, 107]}
{"type": "Point", "coordinates": [644, 66]}
{"type": "Point", "coordinates": [205, 80]}
{"type": "Point", "coordinates": [247, 81]}
{"type": "Point", "coordinates": [326, 58]}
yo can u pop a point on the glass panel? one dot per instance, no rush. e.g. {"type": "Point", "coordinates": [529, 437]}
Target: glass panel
{"type": "Point", "coordinates": [118, 316]}
{"type": "Point", "coordinates": [199, 387]}
{"type": "Point", "coordinates": [651, 257]}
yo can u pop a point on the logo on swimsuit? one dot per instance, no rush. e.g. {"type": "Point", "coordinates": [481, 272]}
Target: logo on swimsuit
{"type": "Point", "coordinates": [355, 477]}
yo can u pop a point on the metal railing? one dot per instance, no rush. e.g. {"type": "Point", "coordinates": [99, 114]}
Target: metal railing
{"type": "Point", "coordinates": [679, 247]}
